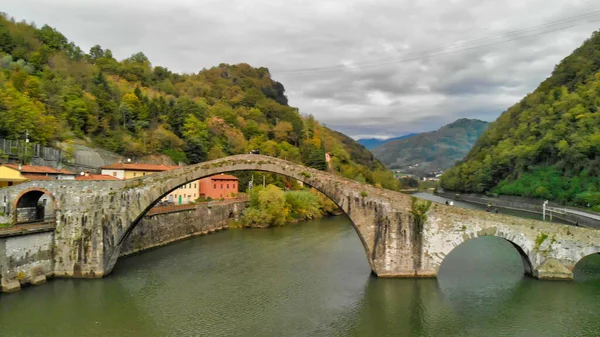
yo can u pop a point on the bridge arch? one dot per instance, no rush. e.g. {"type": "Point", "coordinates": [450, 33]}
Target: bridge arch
{"type": "Point", "coordinates": [584, 266]}
{"type": "Point", "coordinates": [528, 268]}
{"type": "Point", "coordinates": [34, 204]}
{"type": "Point", "coordinates": [142, 193]}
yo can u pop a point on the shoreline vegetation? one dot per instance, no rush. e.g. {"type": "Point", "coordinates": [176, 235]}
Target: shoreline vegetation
{"type": "Point", "coordinates": [271, 206]}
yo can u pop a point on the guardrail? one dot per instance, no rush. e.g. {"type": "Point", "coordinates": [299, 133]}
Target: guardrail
{"type": "Point", "coordinates": [19, 148]}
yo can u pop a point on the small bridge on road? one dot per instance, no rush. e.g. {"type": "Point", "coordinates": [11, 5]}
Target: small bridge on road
{"type": "Point", "coordinates": [401, 238]}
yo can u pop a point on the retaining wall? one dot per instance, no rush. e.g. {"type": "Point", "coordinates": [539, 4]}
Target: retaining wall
{"type": "Point", "coordinates": [163, 228]}
{"type": "Point", "coordinates": [25, 258]}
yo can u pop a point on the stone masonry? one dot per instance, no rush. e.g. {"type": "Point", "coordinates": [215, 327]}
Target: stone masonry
{"type": "Point", "coordinates": [161, 229]}
{"type": "Point", "coordinates": [94, 220]}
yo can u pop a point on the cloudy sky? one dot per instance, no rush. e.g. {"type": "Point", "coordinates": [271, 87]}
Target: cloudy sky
{"type": "Point", "coordinates": [366, 68]}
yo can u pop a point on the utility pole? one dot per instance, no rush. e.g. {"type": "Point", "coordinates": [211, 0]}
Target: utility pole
{"type": "Point", "coordinates": [26, 143]}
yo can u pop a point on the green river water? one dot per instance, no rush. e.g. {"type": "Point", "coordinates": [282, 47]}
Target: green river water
{"type": "Point", "coordinates": [309, 279]}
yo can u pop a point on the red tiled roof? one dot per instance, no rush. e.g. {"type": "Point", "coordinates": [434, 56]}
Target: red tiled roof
{"type": "Point", "coordinates": [39, 169]}
{"type": "Point", "coordinates": [38, 177]}
{"type": "Point", "coordinates": [96, 177]}
{"type": "Point", "coordinates": [139, 167]}
{"type": "Point", "coordinates": [223, 177]}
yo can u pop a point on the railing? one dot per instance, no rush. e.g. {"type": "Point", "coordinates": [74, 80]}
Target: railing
{"type": "Point", "coordinates": [19, 148]}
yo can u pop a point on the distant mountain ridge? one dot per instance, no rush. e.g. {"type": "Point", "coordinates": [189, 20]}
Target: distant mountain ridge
{"type": "Point", "coordinates": [371, 143]}
{"type": "Point", "coordinates": [431, 151]}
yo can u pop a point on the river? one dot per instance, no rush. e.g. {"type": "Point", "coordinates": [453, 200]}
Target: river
{"type": "Point", "coordinates": [309, 279]}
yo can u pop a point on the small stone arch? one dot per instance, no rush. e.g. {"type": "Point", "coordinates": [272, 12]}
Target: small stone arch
{"type": "Point", "coordinates": [27, 207]}
{"type": "Point", "coordinates": [585, 255]}
{"type": "Point", "coordinates": [528, 268]}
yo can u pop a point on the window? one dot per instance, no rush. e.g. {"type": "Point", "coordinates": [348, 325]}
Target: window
{"type": "Point", "coordinates": [134, 174]}
{"type": "Point", "coordinates": [227, 186]}
{"type": "Point", "coordinates": [215, 186]}
{"type": "Point", "coordinates": [144, 173]}
{"type": "Point", "coordinates": [114, 173]}
{"type": "Point", "coordinates": [194, 185]}
{"type": "Point", "coordinates": [221, 186]}
{"type": "Point", "coordinates": [194, 195]}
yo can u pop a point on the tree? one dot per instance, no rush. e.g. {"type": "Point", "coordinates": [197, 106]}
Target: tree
{"type": "Point", "coordinates": [267, 208]}
{"type": "Point", "coordinates": [51, 38]}
{"type": "Point", "coordinates": [7, 43]}
{"type": "Point", "coordinates": [282, 130]}
{"type": "Point", "coordinates": [96, 52]}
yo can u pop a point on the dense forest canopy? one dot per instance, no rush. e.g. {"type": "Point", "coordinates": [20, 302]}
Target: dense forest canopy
{"type": "Point", "coordinates": [547, 145]}
{"type": "Point", "coordinates": [58, 92]}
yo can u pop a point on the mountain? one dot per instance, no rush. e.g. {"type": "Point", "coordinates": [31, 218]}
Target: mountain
{"type": "Point", "coordinates": [546, 145]}
{"type": "Point", "coordinates": [371, 143]}
{"type": "Point", "coordinates": [57, 93]}
{"type": "Point", "coordinates": [431, 151]}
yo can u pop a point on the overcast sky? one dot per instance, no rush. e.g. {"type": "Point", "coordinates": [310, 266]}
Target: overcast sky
{"type": "Point", "coordinates": [363, 67]}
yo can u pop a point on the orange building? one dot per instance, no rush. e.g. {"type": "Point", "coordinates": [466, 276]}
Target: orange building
{"type": "Point", "coordinates": [219, 186]}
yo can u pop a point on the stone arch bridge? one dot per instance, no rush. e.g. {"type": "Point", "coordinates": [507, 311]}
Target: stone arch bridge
{"type": "Point", "coordinates": [401, 239]}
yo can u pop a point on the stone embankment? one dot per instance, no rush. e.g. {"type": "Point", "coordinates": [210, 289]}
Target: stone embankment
{"type": "Point", "coordinates": [27, 251]}
{"type": "Point", "coordinates": [164, 225]}
{"type": "Point", "coordinates": [574, 217]}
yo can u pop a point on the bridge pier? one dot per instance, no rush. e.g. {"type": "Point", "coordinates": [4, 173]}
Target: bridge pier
{"type": "Point", "coordinates": [553, 269]}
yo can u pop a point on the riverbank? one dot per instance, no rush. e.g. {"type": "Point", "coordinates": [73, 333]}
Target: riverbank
{"type": "Point", "coordinates": [525, 205]}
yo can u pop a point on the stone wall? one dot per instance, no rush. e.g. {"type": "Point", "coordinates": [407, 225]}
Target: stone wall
{"type": "Point", "coordinates": [161, 229]}
{"type": "Point", "coordinates": [523, 204]}
{"type": "Point", "coordinates": [25, 258]}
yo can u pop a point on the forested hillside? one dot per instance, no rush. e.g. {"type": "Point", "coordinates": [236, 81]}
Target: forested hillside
{"type": "Point", "coordinates": [56, 91]}
{"type": "Point", "coordinates": [431, 151]}
{"type": "Point", "coordinates": [547, 145]}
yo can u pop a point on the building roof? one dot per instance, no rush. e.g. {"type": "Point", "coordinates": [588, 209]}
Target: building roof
{"type": "Point", "coordinates": [96, 177]}
{"type": "Point", "coordinates": [10, 174]}
{"type": "Point", "coordinates": [223, 177]}
{"type": "Point", "coordinates": [38, 169]}
{"type": "Point", "coordinates": [139, 167]}
{"type": "Point", "coordinates": [38, 177]}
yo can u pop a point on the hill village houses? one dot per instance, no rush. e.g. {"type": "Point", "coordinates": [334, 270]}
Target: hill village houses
{"type": "Point", "coordinates": [222, 186]}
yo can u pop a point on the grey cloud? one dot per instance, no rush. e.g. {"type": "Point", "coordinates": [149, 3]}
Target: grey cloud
{"type": "Point", "coordinates": [407, 92]}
